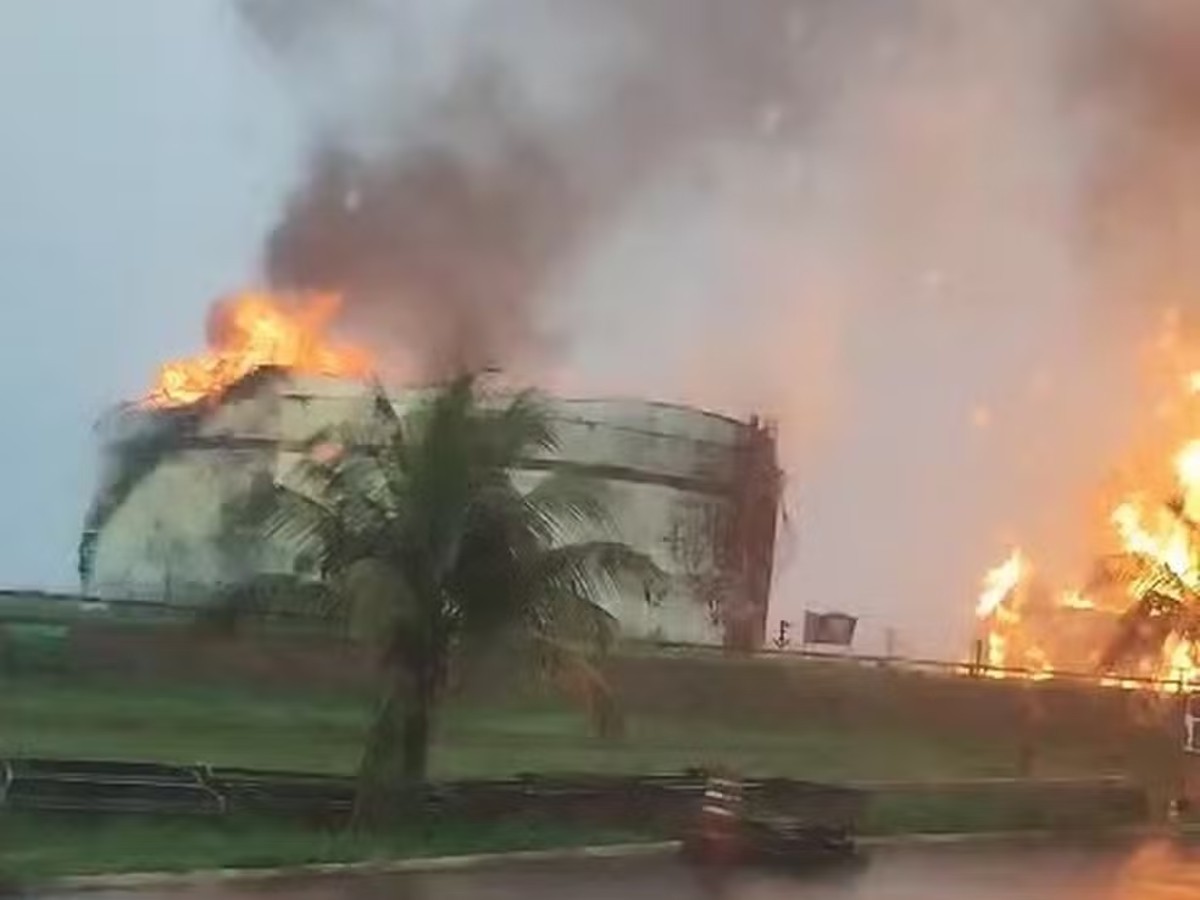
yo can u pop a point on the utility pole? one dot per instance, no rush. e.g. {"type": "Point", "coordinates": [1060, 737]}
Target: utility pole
{"type": "Point", "coordinates": [977, 658]}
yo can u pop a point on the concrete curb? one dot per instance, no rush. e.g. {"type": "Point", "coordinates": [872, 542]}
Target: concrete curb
{"type": "Point", "coordinates": [202, 877]}
{"type": "Point", "coordinates": [145, 880]}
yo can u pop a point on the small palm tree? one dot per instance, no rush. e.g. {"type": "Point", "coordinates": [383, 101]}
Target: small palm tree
{"type": "Point", "coordinates": [429, 548]}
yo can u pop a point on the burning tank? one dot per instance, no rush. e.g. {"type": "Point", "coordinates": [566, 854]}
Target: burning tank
{"type": "Point", "coordinates": [697, 491]}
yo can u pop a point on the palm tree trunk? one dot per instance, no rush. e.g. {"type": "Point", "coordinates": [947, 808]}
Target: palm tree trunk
{"type": "Point", "coordinates": [426, 678]}
{"type": "Point", "coordinates": [416, 737]}
{"type": "Point", "coordinates": [395, 760]}
{"type": "Point", "coordinates": [376, 769]}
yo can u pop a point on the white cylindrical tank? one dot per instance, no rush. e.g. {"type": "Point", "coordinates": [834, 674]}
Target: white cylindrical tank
{"type": "Point", "coordinates": [697, 492]}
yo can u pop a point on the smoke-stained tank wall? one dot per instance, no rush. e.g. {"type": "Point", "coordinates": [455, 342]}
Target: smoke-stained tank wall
{"type": "Point", "coordinates": [696, 491]}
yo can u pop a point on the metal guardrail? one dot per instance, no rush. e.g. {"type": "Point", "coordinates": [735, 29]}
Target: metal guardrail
{"type": "Point", "coordinates": [90, 786]}
{"type": "Point", "coordinates": [666, 802]}
{"type": "Point", "coordinates": [110, 787]}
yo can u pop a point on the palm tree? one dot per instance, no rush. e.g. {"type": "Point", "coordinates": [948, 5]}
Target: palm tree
{"type": "Point", "coordinates": [415, 524]}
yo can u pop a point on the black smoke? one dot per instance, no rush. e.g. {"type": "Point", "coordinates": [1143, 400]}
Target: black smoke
{"type": "Point", "coordinates": [446, 234]}
{"type": "Point", "coordinates": [444, 260]}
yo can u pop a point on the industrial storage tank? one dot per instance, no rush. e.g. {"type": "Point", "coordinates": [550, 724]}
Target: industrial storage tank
{"type": "Point", "coordinates": [696, 491]}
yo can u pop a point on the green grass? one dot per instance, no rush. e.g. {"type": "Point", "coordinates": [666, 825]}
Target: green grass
{"type": "Point", "coordinates": [323, 733]}
{"type": "Point", "coordinates": [99, 717]}
{"type": "Point", "coordinates": [1005, 809]}
{"type": "Point", "coordinates": [35, 847]}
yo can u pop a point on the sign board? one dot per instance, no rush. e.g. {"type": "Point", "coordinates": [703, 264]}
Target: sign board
{"type": "Point", "coordinates": [829, 628]}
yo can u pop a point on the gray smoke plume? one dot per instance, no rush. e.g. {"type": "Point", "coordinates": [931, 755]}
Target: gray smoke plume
{"type": "Point", "coordinates": [447, 187]}
{"type": "Point", "coordinates": [1136, 77]}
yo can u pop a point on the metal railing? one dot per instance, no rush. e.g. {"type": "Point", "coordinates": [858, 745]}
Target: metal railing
{"type": "Point", "coordinates": [982, 671]}
{"type": "Point", "coordinates": [33, 607]}
{"type": "Point", "coordinates": [122, 787]}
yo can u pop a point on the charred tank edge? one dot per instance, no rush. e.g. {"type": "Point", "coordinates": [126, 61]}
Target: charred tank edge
{"type": "Point", "coordinates": [135, 453]}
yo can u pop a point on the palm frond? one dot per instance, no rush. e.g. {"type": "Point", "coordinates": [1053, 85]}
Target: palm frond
{"type": "Point", "coordinates": [300, 522]}
{"type": "Point", "coordinates": [382, 408]}
{"type": "Point", "coordinates": [592, 568]}
{"type": "Point", "coordinates": [332, 468]}
{"type": "Point", "coordinates": [575, 674]}
{"type": "Point", "coordinates": [521, 428]}
{"type": "Point", "coordinates": [1136, 573]}
{"type": "Point", "coordinates": [564, 500]}
{"type": "Point", "coordinates": [1164, 604]}
{"type": "Point", "coordinates": [564, 590]}
{"type": "Point", "coordinates": [548, 515]}
{"type": "Point", "coordinates": [577, 620]}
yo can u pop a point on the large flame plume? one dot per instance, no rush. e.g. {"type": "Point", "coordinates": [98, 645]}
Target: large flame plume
{"type": "Point", "coordinates": [1136, 619]}
{"type": "Point", "coordinates": [253, 330]}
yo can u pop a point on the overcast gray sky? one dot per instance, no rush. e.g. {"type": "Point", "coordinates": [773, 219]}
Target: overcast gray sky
{"type": "Point", "coordinates": [142, 154]}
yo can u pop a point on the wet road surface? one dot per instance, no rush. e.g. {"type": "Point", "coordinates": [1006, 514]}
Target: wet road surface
{"type": "Point", "coordinates": [1149, 871]}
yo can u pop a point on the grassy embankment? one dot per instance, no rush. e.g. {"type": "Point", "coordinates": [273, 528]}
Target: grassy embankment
{"type": "Point", "coordinates": [323, 732]}
{"type": "Point", "coordinates": [312, 731]}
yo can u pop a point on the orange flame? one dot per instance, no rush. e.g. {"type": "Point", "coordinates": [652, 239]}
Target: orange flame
{"type": "Point", "coordinates": [1154, 522]}
{"type": "Point", "coordinates": [999, 583]}
{"type": "Point", "coordinates": [255, 330]}
{"type": "Point", "coordinates": [1073, 599]}
{"type": "Point", "coordinates": [998, 605]}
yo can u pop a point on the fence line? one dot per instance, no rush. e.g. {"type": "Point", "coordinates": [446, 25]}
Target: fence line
{"type": "Point", "coordinates": [39, 607]}
{"type": "Point", "coordinates": [939, 666]}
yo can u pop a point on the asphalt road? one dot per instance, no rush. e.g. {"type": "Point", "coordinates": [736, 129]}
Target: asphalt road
{"type": "Point", "coordinates": [1150, 871]}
